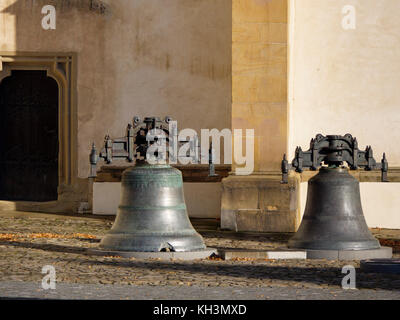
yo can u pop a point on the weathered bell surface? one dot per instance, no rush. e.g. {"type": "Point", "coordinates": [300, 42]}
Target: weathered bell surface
{"type": "Point", "coordinates": [152, 214]}
{"type": "Point", "coordinates": [333, 218]}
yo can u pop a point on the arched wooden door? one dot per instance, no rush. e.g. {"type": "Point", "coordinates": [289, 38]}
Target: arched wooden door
{"type": "Point", "coordinates": [28, 136]}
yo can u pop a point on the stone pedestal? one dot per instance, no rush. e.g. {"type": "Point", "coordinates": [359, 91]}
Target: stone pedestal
{"type": "Point", "coordinates": [260, 203]}
{"type": "Point", "coordinates": [381, 253]}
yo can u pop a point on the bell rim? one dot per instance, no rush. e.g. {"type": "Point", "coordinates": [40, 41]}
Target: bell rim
{"type": "Point", "coordinates": [151, 243]}
{"type": "Point", "coordinates": [353, 245]}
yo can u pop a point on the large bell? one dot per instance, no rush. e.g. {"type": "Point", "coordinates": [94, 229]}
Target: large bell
{"type": "Point", "coordinates": [333, 218]}
{"type": "Point", "coordinates": [152, 214]}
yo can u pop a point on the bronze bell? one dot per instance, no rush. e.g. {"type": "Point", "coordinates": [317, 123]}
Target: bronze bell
{"type": "Point", "coordinates": [152, 214]}
{"type": "Point", "coordinates": [333, 217]}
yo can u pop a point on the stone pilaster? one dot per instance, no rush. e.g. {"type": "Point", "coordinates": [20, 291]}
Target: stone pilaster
{"type": "Point", "coordinates": [259, 202]}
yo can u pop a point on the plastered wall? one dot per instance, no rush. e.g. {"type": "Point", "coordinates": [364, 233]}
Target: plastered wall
{"type": "Point", "coordinates": [345, 81]}
{"type": "Point", "coordinates": [141, 57]}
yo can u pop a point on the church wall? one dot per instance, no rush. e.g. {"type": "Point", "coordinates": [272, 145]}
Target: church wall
{"type": "Point", "coordinates": [141, 57]}
{"type": "Point", "coordinates": [345, 81]}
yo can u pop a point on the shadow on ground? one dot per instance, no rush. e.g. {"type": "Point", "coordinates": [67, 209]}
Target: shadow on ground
{"type": "Point", "coordinates": [231, 235]}
{"type": "Point", "coordinates": [318, 275]}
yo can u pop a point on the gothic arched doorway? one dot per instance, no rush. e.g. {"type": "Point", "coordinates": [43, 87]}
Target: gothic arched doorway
{"type": "Point", "coordinates": [28, 136]}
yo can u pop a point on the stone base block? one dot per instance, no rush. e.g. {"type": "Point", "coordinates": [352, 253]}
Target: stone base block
{"type": "Point", "coordinates": [260, 203]}
{"type": "Point", "coordinates": [189, 255]}
{"type": "Point", "coordinates": [256, 254]}
{"type": "Point", "coordinates": [381, 253]}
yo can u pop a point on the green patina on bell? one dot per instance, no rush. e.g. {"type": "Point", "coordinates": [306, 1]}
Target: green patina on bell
{"type": "Point", "coordinates": [152, 214]}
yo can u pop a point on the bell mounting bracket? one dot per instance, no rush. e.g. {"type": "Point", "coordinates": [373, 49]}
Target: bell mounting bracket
{"type": "Point", "coordinates": [133, 146]}
{"type": "Point", "coordinates": [135, 143]}
{"type": "Point", "coordinates": [334, 151]}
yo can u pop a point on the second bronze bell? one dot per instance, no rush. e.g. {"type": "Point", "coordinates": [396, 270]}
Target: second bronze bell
{"type": "Point", "coordinates": [333, 217]}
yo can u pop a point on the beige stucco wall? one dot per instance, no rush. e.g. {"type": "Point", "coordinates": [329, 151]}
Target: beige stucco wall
{"type": "Point", "coordinates": [143, 57]}
{"type": "Point", "coordinates": [345, 81]}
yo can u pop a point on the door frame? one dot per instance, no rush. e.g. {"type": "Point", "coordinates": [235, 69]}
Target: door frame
{"type": "Point", "coordinates": [63, 69]}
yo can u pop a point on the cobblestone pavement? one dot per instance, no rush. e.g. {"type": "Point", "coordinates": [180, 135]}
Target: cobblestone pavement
{"type": "Point", "coordinates": [33, 290]}
{"type": "Point", "coordinates": [30, 241]}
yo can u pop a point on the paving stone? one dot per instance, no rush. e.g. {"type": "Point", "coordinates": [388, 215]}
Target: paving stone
{"type": "Point", "coordinates": [29, 242]}
{"type": "Point", "coordinates": [33, 290]}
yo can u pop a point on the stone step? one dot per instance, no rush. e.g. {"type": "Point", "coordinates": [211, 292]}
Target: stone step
{"type": "Point", "coordinates": [262, 254]}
